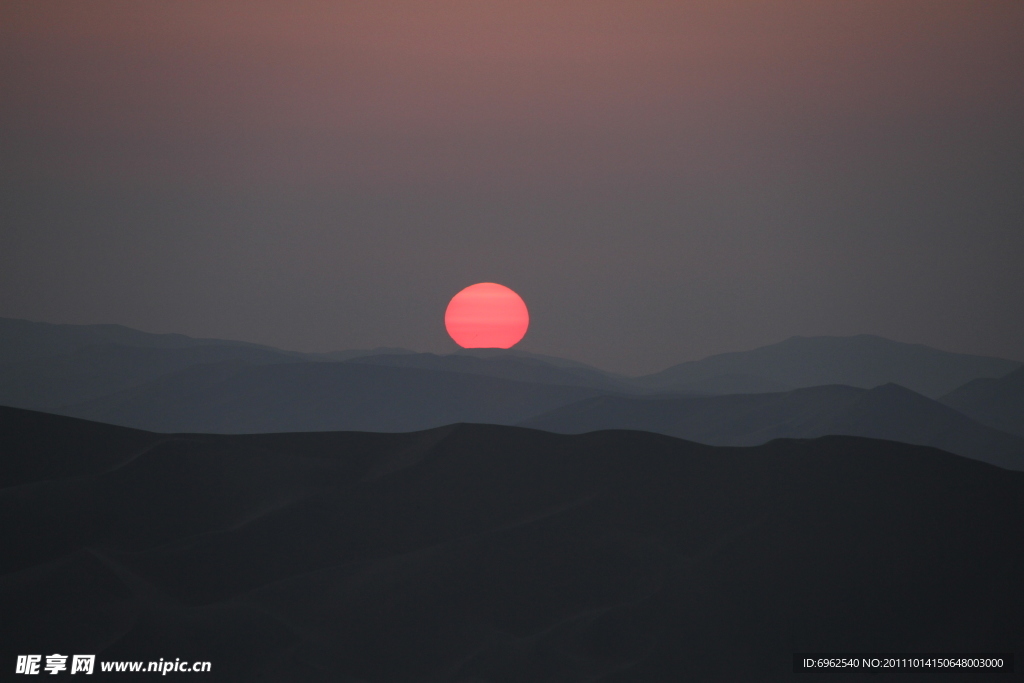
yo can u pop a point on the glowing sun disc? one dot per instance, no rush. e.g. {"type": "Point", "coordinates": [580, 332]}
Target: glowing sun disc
{"type": "Point", "coordinates": [486, 316]}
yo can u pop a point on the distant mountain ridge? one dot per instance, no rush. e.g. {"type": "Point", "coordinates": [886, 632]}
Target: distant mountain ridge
{"type": "Point", "coordinates": [235, 397]}
{"type": "Point", "coordinates": [173, 383]}
{"type": "Point", "coordinates": [90, 372]}
{"type": "Point", "coordinates": [505, 366]}
{"type": "Point", "coordinates": [998, 402]}
{"type": "Point", "coordinates": [888, 412]}
{"type": "Point", "coordinates": [22, 340]}
{"type": "Point", "coordinates": [864, 361]}
{"type": "Point", "coordinates": [45, 366]}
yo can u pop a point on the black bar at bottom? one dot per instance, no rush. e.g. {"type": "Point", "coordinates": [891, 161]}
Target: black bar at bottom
{"type": "Point", "coordinates": [881, 662]}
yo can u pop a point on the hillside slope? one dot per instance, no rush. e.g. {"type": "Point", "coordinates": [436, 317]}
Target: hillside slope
{"type": "Point", "coordinates": [475, 552]}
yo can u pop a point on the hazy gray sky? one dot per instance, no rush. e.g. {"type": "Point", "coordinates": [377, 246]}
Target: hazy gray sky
{"type": "Point", "coordinates": [659, 180]}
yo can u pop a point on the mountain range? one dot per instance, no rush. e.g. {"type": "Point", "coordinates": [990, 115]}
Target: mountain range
{"type": "Point", "coordinates": [864, 361]}
{"type": "Point", "coordinates": [172, 383]}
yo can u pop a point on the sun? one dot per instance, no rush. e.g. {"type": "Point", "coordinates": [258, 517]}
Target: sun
{"type": "Point", "coordinates": [486, 316]}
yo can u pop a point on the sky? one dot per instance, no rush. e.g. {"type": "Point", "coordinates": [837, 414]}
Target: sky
{"type": "Point", "coordinates": [659, 180]}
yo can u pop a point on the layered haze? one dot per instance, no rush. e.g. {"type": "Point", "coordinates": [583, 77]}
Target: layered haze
{"type": "Point", "coordinates": [857, 386]}
{"type": "Point", "coordinates": [660, 180]}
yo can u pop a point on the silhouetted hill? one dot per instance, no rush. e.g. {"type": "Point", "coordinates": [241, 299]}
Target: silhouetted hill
{"type": "Point", "coordinates": [506, 366]}
{"type": "Point", "coordinates": [565, 363]}
{"type": "Point", "coordinates": [862, 361]}
{"type": "Point", "coordinates": [485, 553]}
{"type": "Point", "coordinates": [887, 412]}
{"type": "Point", "coordinates": [349, 354]}
{"type": "Point", "coordinates": [50, 367]}
{"type": "Point", "coordinates": [234, 397]}
{"type": "Point", "coordinates": [89, 372]}
{"type": "Point", "coordinates": [42, 447]}
{"type": "Point", "coordinates": [998, 402]}
{"type": "Point", "coordinates": [24, 340]}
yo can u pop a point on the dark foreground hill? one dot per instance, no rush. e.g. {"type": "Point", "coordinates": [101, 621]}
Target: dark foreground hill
{"type": "Point", "coordinates": [997, 402]}
{"type": "Point", "coordinates": [485, 553]}
{"type": "Point", "coordinates": [888, 412]}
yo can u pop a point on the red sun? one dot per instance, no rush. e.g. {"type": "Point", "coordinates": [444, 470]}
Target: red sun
{"type": "Point", "coordinates": [486, 316]}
